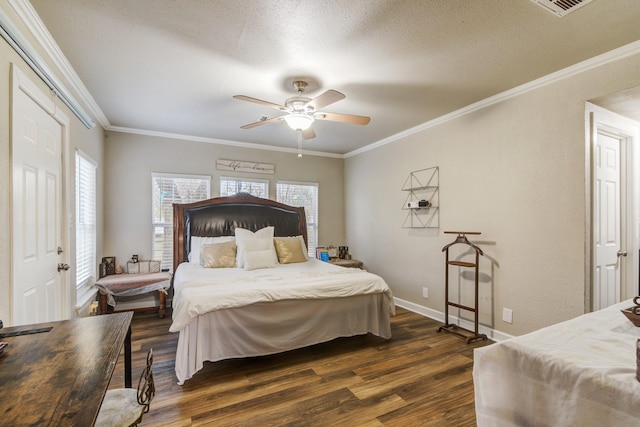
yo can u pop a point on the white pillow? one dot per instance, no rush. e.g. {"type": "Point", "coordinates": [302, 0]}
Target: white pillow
{"type": "Point", "coordinates": [198, 241]}
{"type": "Point", "coordinates": [243, 235]}
{"type": "Point", "coordinates": [258, 259]}
{"type": "Point", "coordinates": [252, 245]}
{"type": "Point", "coordinates": [263, 233]}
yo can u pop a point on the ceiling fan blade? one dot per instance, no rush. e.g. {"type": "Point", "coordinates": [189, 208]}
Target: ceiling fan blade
{"type": "Point", "coordinates": [344, 118]}
{"type": "Point", "coordinates": [308, 133]}
{"type": "Point", "coordinates": [326, 98]}
{"type": "Point", "coordinates": [261, 122]}
{"type": "Point", "coordinates": [261, 102]}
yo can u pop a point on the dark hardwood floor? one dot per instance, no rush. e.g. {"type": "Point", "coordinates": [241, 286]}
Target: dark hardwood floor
{"type": "Point", "coordinates": [418, 378]}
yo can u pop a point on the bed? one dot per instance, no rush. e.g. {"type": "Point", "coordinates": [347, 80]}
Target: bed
{"type": "Point", "coordinates": [581, 372]}
{"type": "Point", "coordinates": [246, 310]}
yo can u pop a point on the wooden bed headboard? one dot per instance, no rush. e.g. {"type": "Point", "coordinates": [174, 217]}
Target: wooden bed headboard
{"type": "Point", "coordinates": [220, 216]}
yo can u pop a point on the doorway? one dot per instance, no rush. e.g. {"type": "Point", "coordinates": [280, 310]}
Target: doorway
{"type": "Point", "coordinates": [613, 164]}
{"type": "Point", "coordinates": [39, 286]}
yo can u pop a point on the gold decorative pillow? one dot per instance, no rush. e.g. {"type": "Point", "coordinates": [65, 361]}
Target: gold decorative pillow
{"type": "Point", "coordinates": [289, 250]}
{"type": "Point", "coordinates": [219, 255]}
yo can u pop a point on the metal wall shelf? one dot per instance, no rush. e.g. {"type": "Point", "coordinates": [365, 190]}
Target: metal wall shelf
{"type": "Point", "coordinates": [422, 185]}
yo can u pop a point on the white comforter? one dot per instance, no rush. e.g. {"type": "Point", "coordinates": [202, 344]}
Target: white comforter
{"type": "Point", "coordinates": [199, 290]}
{"type": "Point", "coordinates": [581, 372]}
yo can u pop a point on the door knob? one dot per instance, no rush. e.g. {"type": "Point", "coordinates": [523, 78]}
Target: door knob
{"type": "Point", "coordinates": [64, 267]}
{"type": "Point", "coordinates": [622, 253]}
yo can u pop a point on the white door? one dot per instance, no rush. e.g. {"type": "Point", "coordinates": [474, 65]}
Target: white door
{"type": "Point", "coordinates": [614, 141]}
{"type": "Point", "coordinates": [607, 210]}
{"type": "Point", "coordinates": [38, 287]}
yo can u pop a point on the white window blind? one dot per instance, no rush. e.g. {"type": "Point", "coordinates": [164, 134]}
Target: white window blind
{"type": "Point", "coordinates": [168, 189]}
{"type": "Point", "coordinates": [85, 220]}
{"type": "Point", "coordinates": [306, 195]}
{"type": "Point", "coordinates": [255, 187]}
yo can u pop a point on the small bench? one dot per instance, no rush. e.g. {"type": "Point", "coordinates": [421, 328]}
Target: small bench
{"type": "Point", "coordinates": [126, 284]}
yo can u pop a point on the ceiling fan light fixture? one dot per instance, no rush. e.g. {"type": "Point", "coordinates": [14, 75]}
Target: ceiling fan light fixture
{"type": "Point", "coordinates": [300, 111]}
{"type": "Point", "coordinates": [297, 121]}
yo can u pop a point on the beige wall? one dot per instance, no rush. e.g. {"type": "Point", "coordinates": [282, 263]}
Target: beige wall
{"type": "Point", "coordinates": [90, 141]}
{"type": "Point", "coordinates": [131, 159]}
{"type": "Point", "coordinates": [514, 171]}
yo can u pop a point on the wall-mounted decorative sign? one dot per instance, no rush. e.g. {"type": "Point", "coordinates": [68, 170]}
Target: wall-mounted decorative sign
{"type": "Point", "coordinates": [238, 166]}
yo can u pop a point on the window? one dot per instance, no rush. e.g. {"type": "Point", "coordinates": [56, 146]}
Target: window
{"type": "Point", "coordinates": [168, 189]}
{"type": "Point", "coordinates": [85, 220]}
{"type": "Point", "coordinates": [255, 187]}
{"type": "Point", "coordinates": [303, 194]}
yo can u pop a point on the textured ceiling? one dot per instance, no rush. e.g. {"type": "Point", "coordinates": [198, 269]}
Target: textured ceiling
{"type": "Point", "coordinates": [167, 66]}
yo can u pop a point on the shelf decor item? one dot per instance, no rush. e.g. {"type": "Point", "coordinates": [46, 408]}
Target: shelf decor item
{"type": "Point", "coordinates": [322, 253]}
{"type": "Point", "coordinates": [109, 266]}
{"type": "Point", "coordinates": [343, 251]}
{"type": "Point", "coordinates": [143, 267]}
{"type": "Point", "coordinates": [333, 252]}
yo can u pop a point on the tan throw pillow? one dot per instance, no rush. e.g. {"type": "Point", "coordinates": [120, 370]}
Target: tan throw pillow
{"type": "Point", "coordinates": [219, 255]}
{"type": "Point", "coordinates": [289, 250]}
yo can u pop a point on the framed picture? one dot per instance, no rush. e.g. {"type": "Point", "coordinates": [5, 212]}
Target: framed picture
{"type": "Point", "coordinates": [343, 251]}
{"type": "Point", "coordinates": [333, 252]}
{"type": "Point", "coordinates": [109, 265]}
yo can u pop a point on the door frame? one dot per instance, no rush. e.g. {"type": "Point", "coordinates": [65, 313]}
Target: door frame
{"type": "Point", "coordinates": [629, 132]}
{"type": "Point", "coordinates": [21, 82]}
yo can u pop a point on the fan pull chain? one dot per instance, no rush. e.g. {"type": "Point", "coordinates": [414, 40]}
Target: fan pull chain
{"type": "Point", "coordinates": [299, 143]}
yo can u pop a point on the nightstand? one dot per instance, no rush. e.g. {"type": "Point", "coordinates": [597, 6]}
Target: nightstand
{"type": "Point", "coordinates": [353, 263]}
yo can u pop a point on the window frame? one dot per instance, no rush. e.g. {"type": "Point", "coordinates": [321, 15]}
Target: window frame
{"type": "Point", "coordinates": [169, 224]}
{"type": "Point", "coordinates": [312, 227]}
{"type": "Point", "coordinates": [238, 180]}
{"type": "Point", "coordinates": [85, 278]}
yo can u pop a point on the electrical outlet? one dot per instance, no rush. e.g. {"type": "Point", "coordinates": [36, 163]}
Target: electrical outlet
{"type": "Point", "coordinates": [425, 292]}
{"type": "Point", "coordinates": [507, 315]}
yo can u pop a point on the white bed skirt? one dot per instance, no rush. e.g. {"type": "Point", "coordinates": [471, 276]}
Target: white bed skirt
{"type": "Point", "coordinates": [274, 327]}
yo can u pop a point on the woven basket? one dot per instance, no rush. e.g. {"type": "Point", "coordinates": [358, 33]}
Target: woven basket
{"type": "Point", "coordinates": [141, 267]}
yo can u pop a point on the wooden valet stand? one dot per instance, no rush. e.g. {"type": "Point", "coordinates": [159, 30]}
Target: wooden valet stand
{"type": "Point", "coordinates": [470, 336]}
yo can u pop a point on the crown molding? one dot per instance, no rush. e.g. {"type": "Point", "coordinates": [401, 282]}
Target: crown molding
{"type": "Point", "coordinates": [30, 18]}
{"type": "Point", "coordinates": [183, 137]}
{"type": "Point", "coordinates": [37, 29]}
{"type": "Point", "coordinates": [589, 64]}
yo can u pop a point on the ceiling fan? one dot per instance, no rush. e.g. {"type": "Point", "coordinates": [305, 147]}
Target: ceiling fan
{"type": "Point", "coordinates": [303, 111]}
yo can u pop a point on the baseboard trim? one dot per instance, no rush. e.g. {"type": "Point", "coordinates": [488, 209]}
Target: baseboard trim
{"type": "Point", "coordinates": [439, 316]}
